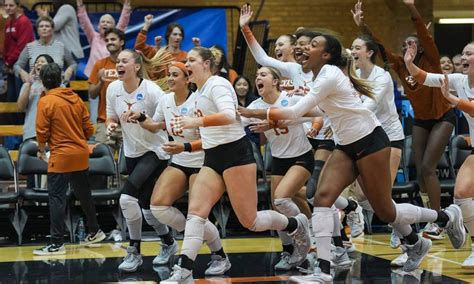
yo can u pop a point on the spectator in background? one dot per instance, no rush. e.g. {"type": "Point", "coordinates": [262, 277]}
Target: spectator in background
{"type": "Point", "coordinates": [103, 73]}
{"type": "Point", "coordinates": [30, 94]}
{"type": "Point", "coordinates": [98, 48]}
{"type": "Point", "coordinates": [223, 67]}
{"type": "Point", "coordinates": [3, 21]}
{"type": "Point", "coordinates": [97, 39]}
{"type": "Point", "coordinates": [174, 37]}
{"type": "Point", "coordinates": [65, 25]}
{"type": "Point", "coordinates": [18, 32]}
{"type": "Point", "coordinates": [156, 60]}
{"type": "Point", "coordinates": [242, 88]}
{"type": "Point", "coordinates": [245, 96]}
{"type": "Point", "coordinates": [62, 122]}
{"type": "Point", "coordinates": [457, 63]}
{"type": "Point", "coordinates": [447, 66]}
{"type": "Point", "coordinates": [46, 44]}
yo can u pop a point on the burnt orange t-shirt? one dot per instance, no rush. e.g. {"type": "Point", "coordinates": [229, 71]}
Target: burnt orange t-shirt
{"type": "Point", "coordinates": [110, 74]}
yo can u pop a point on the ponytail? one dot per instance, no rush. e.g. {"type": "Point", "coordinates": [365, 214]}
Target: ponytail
{"type": "Point", "coordinates": [362, 86]}
{"type": "Point", "coordinates": [157, 68]}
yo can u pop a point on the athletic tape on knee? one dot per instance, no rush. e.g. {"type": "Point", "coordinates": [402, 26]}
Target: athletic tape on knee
{"type": "Point", "coordinates": [312, 184]}
{"type": "Point", "coordinates": [160, 228]}
{"type": "Point", "coordinates": [366, 205]}
{"type": "Point", "coordinates": [170, 216]}
{"type": "Point", "coordinates": [286, 206]}
{"type": "Point", "coordinates": [193, 236]}
{"type": "Point", "coordinates": [467, 209]}
{"type": "Point", "coordinates": [323, 222]}
{"type": "Point", "coordinates": [130, 208]}
{"type": "Point", "coordinates": [211, 236]}
{"type": "Point", "coordinates": [407, 214]}
{"type": "Point", "coordinates": [269, 220]}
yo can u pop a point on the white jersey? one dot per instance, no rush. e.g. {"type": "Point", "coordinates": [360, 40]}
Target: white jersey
{"type": "Point", "coordinates": [460, 84]}
{"type": "Point", "coordinates": [136, 140]}
{"type": "Point", "coordinates": [384, 105]}
{"type": "Point", "coordinates": [333, 93]}
{"type": "Point", "coordinates": [218, 96]}
{"type": "Point", "coordinates": [289, 141]}
{"type": "Point", "coordinates": [165, 111]}
{"type": "Point", "coordinates": [297, 79]}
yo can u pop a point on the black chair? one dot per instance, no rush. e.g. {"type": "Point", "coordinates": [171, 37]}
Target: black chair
{"type": "Point", "coordinates": [15, 214]}
{"type": "Point", "coordinates": [459, 151]}
{"type": "Point", "coordinates": [29, 164]}
{"type": "Point", "coordinates": [408, 186]}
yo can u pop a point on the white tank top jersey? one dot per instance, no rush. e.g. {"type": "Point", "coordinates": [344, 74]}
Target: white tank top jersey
{"type": "Point", "coordinates": [384, 104]}
{"type": "Point", "coordinates": [285, 142]}
{"type": "Point", "coordinates": [136, 140]}
{"type": "Point", "coordinates": [218, 96]}
{"type": "Point", "coordinates": [460, 84]}
{"type": "Point", "coordinates": [333, 93]}
{"type": "Point", "coordinates": [165, 111]}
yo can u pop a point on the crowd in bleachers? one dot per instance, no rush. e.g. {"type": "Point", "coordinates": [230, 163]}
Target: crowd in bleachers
{"type": "Point", "coordinates": [187, 120]}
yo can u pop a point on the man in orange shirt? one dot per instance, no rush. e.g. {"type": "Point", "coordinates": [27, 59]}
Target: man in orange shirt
{"type": "Point", "coordinates": [102, 74]}
{"type": "Point", "coordinates": [62, 121]}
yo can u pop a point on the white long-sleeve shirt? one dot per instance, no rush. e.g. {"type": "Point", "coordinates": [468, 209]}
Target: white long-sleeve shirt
{"type": "Point", "coordinates": [333, 93]}
{"type": "Point", "coordinates": [384, 105]}
{"type": "Point", "coordinates": [218, 96]}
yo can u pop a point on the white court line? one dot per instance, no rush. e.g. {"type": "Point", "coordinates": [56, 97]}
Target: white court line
{"type": "Point", "coordinates": [429, 254]}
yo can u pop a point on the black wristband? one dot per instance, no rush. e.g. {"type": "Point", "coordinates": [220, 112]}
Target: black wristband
{"type": "Point", "coordinates": [187, 147]}
{"type": "Point", "coordinates": [142, 117]}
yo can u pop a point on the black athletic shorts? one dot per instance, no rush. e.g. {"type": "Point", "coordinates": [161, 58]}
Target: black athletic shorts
{"type": "Point", "coordinates": [280, 166]}
{"type": "Point", "coordinates": [397, 144]}
{"type": "Point", "coordinates": [222, 157]}
{"type": "Point", "coordinates": [428, 124]}
{"type": "Point", "coordinates": [186, 170]}
{"type": "Point", "coordinates": [324, 144]}
{"type": "Point", "coordinates": [374, 142]}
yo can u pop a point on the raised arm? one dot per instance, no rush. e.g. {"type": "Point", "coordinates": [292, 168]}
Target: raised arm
{"type": "Point", "coordinates": [358, 16]}
{"type": "Point", "coordinates": [84, 21]}
{"type": "Point", "coordinates": [125, 16]}
{"type": "Point", "coordinates": [65, 14]}
{"type": "Point", "coordinates": [257, 51]}
{"type": "Point", "coordinates": [140, 42]}
{"type": "Point", "coordinates": [425, 38]}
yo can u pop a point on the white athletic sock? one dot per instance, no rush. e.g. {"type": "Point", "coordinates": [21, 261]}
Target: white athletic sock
{"type": "Point", "coordinates": [133, 215]}
{"type": "Point", "coordinates": [323, 225]}
{"type": "Point", "coordinates": [211, 236]}
{"type": "Point", "coordinates": [193, 236]}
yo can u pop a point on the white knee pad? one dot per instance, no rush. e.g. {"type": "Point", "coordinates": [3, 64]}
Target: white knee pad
{"type": "Point", "coordinates": [407, 214]}
{"type": "Point", "coordinates": [170, 216]}
{"type": "Point", "coordinates": [211, 236]}
{"type": "Point", "coordinates": [286, 206]}
{"type": "Point", "coordinates": [160, 228]}
{"type": "Point", "coordinates": [269, 220]}
{"type": "Point", "coordinates": [467, 209]}
{"type": "Point", "coordinates": [341, 203]}
{"type": "Point", "coordinates": [130, 208]}
{"type": "Point", "coordinates": [323, 222]}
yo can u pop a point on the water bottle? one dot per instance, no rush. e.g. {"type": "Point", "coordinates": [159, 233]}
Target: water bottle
{"type": "Point", "coordinates": [81, 230]}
